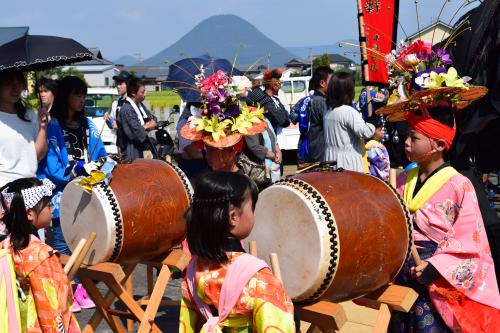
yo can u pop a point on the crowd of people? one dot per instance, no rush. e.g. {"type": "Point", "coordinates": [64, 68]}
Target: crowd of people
{"type": "Point", "coordinates": [41, 152]}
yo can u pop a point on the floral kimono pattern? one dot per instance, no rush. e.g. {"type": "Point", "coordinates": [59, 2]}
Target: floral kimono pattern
{"type": "Point", "coordinates": [47, 294]}
{"type": "Point", "coordinates": [263, 306]}
{"type": "Point", "coordinates": [450, 234]}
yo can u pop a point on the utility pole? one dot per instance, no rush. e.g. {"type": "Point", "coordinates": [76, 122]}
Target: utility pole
{"type": "Point", "coordinates": [311, 60]}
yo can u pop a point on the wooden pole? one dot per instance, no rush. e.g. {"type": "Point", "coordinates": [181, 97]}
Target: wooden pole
{"type": "Point", "coordinates": [392, 177]}
{"type": "Point", "coordinates": [82, 255]}
{"type": "Point", "coordinates": [415, 255]}
{"type": "Point", "coordinates": [252, 248]}
{"type": "Point", "coordinates": [275, 266]}
{"type": "Point", "coordinates": [74, 255]}
{"type": "Point", "coordinates": [362, 44]}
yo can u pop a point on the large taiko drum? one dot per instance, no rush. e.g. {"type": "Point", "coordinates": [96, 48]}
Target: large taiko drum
{"type": "Point", "coordinates": [138, 216]}
{"type": "Point", "coordinates": [338, 234]}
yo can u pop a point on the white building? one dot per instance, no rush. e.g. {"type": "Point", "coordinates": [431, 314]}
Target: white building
{"type": "Point", "coordinates": [98, 72]}
{"type": "Point", "coordinates": [434, 33]}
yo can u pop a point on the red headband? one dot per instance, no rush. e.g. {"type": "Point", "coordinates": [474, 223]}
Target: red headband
{"type": "Point", "coordinates": [431, 128]}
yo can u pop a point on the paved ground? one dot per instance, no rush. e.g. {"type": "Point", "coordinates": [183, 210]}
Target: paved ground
{"type": "Point", "coordinates": [168, 316]}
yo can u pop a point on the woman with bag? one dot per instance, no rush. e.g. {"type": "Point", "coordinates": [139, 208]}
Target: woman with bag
{"type": "Point", "coordinates": [261, 158]}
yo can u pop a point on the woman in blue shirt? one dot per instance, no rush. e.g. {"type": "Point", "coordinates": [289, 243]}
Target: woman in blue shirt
{"type": "Point", "coordinates": [72, 138]}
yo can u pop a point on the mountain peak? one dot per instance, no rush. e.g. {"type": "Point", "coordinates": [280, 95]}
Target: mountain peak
{"type": "Point", "coordinates": [221, 36]}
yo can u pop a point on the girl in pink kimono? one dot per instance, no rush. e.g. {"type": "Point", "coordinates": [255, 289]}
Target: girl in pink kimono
{"type": "Point", "coordinates": [456, 280]}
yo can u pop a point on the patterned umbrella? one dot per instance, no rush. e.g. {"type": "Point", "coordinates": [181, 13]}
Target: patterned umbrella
{"type": "Point", "coordinates": [35, 53]}
{"type": "Point", "coordinates": [181, 74]}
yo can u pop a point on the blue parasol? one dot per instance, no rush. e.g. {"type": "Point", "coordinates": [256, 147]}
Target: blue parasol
{"type": "Point", "coordinates": [181, 74]}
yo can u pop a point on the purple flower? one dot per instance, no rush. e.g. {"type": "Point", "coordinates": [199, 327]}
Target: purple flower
{"type": "Point", "coordinates": [214, 109]}
{"type": "Point", "coordinates": [444, 56]}
{"type": "Point", "coordinates": [232, 110]}
{"type": "Point", "coordinates": [222, 95]}
{"type": "Point", "coordinates": [424, 56]}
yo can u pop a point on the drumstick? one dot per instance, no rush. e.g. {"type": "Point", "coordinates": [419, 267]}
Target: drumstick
{"type": "Point", "coordinates": [252, 248]}
{"type": "Point", "coordinates": [275, 266]}
{"type": "Point", "coordinates": [314, 165]}
{"type": "Point", "coordinates": [392, 177]}
{"type": "Point", "coordinates": [82, 255]}
{"type": "Point", "coordinates": [415, 255]}
{"type": "Point", "coordinates": [75, 254]}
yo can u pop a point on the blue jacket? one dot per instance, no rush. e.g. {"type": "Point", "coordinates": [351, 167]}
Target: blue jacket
{"type": "Point", "coordinates": [56, 162]}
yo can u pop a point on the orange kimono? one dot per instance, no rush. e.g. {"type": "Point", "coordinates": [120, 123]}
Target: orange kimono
{"type": "Point", "coordinates": [263, 305]}
{"type": "Point", "coordinates": [46, 288]}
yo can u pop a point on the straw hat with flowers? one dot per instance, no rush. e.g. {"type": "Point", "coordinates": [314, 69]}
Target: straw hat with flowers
{"type": "Point", "coordinates": [222, 119]}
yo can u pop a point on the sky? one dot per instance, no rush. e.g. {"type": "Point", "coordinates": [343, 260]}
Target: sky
{"type": "Point", "coordinates": [142, 28]}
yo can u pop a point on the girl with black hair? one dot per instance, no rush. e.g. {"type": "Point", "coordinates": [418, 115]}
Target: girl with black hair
{"type": "Point", "coordinates": [344, 127]}
{"type": "Point", "coordinates": [45, 295]}
{"type": "Point", "coordinates": [221, 276]}
{"type": "Point", "coordinates": [46, 90]}
{"type": "Point", "coordinates": [23, 138]}
{"type": "Point", "coordinates": [73, 140]}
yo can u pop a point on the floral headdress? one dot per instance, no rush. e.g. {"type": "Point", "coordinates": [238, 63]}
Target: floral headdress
{"type": "Point", "coordinates": [222, 119]}
{"type": "Point", "coordinates": [423, 75]}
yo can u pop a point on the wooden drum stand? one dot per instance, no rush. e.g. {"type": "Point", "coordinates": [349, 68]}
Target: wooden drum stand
{"type": "Point", "coordinates": [118, 279]}
{"type": "Point", "coordinates": [328, 317]}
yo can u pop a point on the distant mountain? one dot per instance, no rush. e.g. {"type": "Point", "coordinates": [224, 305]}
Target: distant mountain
{"type": "Point", "coordinates": [347, 51]}
{"type": "Point", "coordinates": [126, 60]}
{"type": "Point", "coordinates": [220, 36]}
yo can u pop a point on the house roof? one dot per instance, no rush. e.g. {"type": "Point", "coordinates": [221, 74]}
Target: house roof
{"type": "Point", "coordinates": [336, 58]}
{"type": "Point", "coordinates": [8, 34]}
{"type": "Point", "coordinates": [89, 68]}
{"type": "Point", "coordinates": [296, 61]}
{"type": "Point", "coordinates": [98, 59]}
{"type": "Point", "coordinates": [429, 27]}
{"type": "Point", "coordinates": [157, 73]}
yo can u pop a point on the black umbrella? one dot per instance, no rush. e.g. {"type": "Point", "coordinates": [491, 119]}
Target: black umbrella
{"type": "Point", "coordinates": [35, 53]}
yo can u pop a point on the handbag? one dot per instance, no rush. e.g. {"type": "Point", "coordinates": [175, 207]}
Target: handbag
{"type": "Point", "coordinates": [255, 171]}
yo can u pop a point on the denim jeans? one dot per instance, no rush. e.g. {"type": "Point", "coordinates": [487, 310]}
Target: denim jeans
{"type": "Point", "coordinates": [57, 240]}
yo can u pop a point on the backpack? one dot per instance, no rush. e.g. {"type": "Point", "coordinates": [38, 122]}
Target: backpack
{"type": "Point", "coordinates": [301, 109]}
{"type": "Point", "coordinates": [10, 319]}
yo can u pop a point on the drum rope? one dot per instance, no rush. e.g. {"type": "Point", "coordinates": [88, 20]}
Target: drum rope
{"type": "Point", "coordinates": [184, 179]}
{"type": "Point", "coordinates": [118, 221]}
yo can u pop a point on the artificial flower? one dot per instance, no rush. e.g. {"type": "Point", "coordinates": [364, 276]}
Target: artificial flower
{"type": "Point", "coordinates": [222, 113]}
{"type": "Point", "coordinates": [448, 79]}
{"type": "Point", "coordinates": [412, 60]}
{"type": "Point", "coordinates": [240, 86]}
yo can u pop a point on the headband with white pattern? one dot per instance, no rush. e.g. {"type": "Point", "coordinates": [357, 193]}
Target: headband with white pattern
{"type": "Point", "coordinates": [31, 195]}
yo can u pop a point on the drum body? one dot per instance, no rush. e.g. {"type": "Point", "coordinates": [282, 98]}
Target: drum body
{"type": "Point", "coordinates": [138, 216]}
{"type": "Point", "coordinates": [338, 234]}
